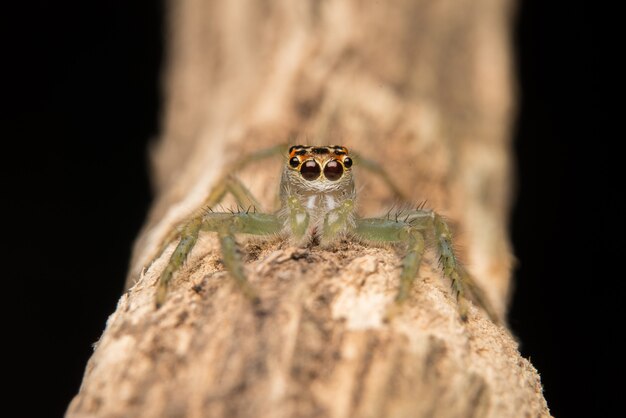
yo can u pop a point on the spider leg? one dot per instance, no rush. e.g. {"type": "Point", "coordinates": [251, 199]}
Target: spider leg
{"type": "Point", "coordinates": [387, 230]}
{"type": "Point", "coordinates": [228, 184]}
{"type": "Point", "coordinates": [449, 263]}
{"type": "Point", "coordinates": [462, 282]}
{"type": "Point", "coordinates": [261, 154]}
{"type": "Point", "coordinates": [411, 231]}
{"type": "Point", "coordinates": [231, 184]}
{"type": "Point", "coordinates": [226, 225]}
{"type": "Point", "coordinates": [377, 169]}
{"type": "Point", "coordinates": [189, 236]}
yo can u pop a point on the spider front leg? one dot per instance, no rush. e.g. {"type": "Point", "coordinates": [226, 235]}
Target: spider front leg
{"type": "Point", "coordinates": [226, 225]}
{"type": "Point", "coordinates": [229, 184]}
{"type": "Point", "coordinates": [411, 231]}
{"type": "Point", "coordinates": [386, 230]}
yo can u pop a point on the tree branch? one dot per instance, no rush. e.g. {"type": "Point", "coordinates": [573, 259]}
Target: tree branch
{"type": "Point", "coordinates": [422, 87]}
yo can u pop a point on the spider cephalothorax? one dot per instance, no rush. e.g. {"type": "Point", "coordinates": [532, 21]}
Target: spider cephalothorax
{"type": "Point", "coordinates": [317, 196]}
{"type": "Point", "coordinates": [317, 181]}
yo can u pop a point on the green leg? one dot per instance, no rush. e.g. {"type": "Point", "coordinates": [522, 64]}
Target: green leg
{"type": "Point", "coordinates": [247, 223]}
{"type": "Point", "coordinates": [232, 185]}
{"type": "Point", "coordinates": [462, 282]}
{"type": "Point", "coordinates": [377, 169]}
{"type": "Point", "coordinates": [410, 229]}
{"type": "Point", "coordinates": [189, 236]}
{"type": "Point", "coordinates": [410, 264]}
{"type": "Point", "coordinates": [226, 225]}
{"type": "Point", "coordinates": [242, 195]}
{"type": "Point", "coordinates": [449, 262]}
{"type": "Point", "coordinates": [234, 264]}
{"type": "Point", "coordinates": [387, 230]}
{"type": "Point", "coordinates": [227, 184]}
{"type": "Point", "coordinates": [276, 150]}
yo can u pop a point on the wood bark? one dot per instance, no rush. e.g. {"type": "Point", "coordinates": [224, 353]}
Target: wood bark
{"type": "Point", "coordinates": [424, 88]}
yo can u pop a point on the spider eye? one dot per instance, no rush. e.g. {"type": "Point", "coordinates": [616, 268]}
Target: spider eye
{"type": "Point", "coordinates": [294, 162]}
{"type": "Point", "coordinates": [333, 170]}
{"type": "Point", "coordinates": [347, 162]}
{"type": "Point", "coordinates": [310, 170]}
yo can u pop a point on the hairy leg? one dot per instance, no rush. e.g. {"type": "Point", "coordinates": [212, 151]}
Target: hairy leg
{"type": "Point", "coordinates": [378, 170]}
{"type": "Point", "coordinates": [226, 225]}
{"type": "Point", "coordinates": [462, 282]}
{"type": "Point", "coordinates": [410, 230]}
{"type": "Point", "coordinates": [388, 230]}
{"type": "Point", "coordinates": [231, 185]}
{"type": "Point", "coordinates": [228, 184]}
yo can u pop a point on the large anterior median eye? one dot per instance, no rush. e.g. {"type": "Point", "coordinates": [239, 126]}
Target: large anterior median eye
{"type": "Point", "coordinates": [333, 170]}
{"type": "Point", "coordinates": [310, 170]}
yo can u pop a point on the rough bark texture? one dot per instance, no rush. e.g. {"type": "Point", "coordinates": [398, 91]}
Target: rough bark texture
{"type": "Point", "coordinates": [424, 88]}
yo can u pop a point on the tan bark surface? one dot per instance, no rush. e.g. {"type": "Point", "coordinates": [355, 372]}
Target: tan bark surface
{"type": "Point", "coordinates": [422, 87]}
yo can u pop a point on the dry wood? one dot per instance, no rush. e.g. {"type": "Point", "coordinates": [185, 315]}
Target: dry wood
{"type": "Point", "coordinates": [422, 87]}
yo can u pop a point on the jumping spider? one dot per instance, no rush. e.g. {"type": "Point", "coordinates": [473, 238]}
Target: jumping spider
{"type": "Point", "coordinates": [317, 205]}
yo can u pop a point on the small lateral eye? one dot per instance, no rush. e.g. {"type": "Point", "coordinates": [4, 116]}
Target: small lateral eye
{"type": "Point", "coordinates": [333, 170]}
{"type": "Point", "coordinates": [347, 162]}
{"type": "Point", "coordinates": [294, 162]}
{"type": "Point", "coordinates": [310, 170]}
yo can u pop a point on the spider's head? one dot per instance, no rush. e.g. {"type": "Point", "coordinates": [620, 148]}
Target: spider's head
{"type": "Point", "coordinates": [319, 169]}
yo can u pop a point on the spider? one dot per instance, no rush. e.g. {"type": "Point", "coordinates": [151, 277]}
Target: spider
{"type": "Point", "coordinates": [317, 207]}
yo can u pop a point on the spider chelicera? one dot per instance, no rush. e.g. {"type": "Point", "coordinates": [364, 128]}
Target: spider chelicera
{"type": "Point", "coordinates": [317, 206]}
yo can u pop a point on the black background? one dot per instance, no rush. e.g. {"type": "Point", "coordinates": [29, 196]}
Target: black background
{"type": "Point", "coordinates": [81, 104]}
